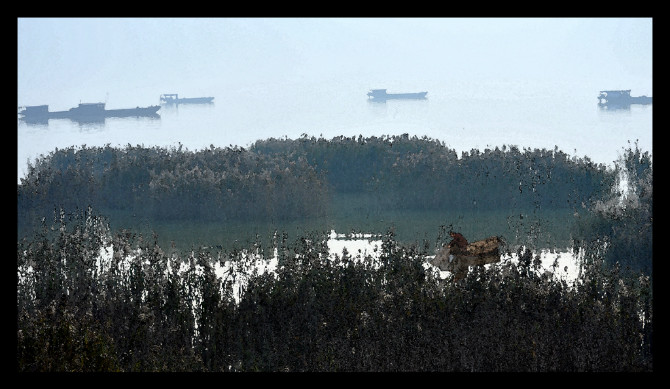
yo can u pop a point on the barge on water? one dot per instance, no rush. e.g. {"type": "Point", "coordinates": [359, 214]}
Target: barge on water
{"type": "Point", "coordinates": [173, 98]}
{"type": "Point", "coordinates": [620, 99]}
{"type": "Point", "coordinates": [382, 95]}
{"type": "Point", "coordinates": [85, 112]}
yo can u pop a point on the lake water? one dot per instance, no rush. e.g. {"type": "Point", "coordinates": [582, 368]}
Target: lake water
{"type": "Point", "coordinates": [562, 265]}
{"type": "Point", "coordinates": [465, 115]}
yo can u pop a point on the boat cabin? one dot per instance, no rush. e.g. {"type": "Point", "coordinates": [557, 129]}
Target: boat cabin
{"type": "Point", "coordinates": [169, 97]}
{"type": "Point", "coordinates": [377, 92]}
{"type": "Point", "coordinates": [89, 108]}
{"type": "Point", "coordinates": [34, 110]}
{"type": "Point", "coordinates": [608, 95]}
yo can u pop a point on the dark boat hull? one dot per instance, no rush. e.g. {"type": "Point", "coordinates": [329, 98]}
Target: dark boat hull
{"type": "Point", "coordinates": [621, 99]}
{"type": "Point", "coordinates": [110, 113]}
{"type": "Point", "coordinates": [381, 95]}
{"type": "Point", "coordinates": [89, 113]}
{"type": "Point", "coordinates": [129, 112]}
{"type": "Point", "coordinates": [641, 100]}
{"type": "Point", "coordinates": [390, 96]}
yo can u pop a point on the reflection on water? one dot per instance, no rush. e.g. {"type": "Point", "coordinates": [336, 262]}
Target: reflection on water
{"type": "Point", "coordinates": [614, 107]}
{"type": "Point", "coordinates": [96, 121]}
{"type": "Point", "coordinates": [379, 100]}
{"type": "Point", "coordinates": [170, 109]}
{"type": "Point", "coordinates": [620, 105]}
{"type": "Point", "coordinates": [35, 122]}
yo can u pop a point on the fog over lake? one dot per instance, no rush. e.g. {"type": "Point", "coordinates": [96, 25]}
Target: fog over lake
{"type": "Point", "coordinates": [490, 82]}
{"type": "Point", "coordinates": [497, 217]}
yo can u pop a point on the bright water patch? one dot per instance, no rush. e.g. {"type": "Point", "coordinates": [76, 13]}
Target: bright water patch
{"type": "Point", "coordinates": [236, 272]}
{"type": "Point", "coordinates": [562, 264]}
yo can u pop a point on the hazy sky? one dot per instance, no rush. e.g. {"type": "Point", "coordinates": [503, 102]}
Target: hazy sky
{"type": "Point", "coordinates": [63, 57]}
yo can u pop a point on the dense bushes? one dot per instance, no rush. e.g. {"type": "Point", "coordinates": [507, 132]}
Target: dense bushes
{"type": "Point", "coordinates": [297, 179]}
{"type": "Point", "coordinates": [160, 184]}
{"type": "Point", "coordinates": [422, 173]}
{"type": "Point", "coordinates": [313, 314]}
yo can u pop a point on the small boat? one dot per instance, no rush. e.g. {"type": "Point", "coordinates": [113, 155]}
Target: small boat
{"type": "Point", "coordinates": [620, 99]}
{"type": "Point", "coordinates": [481, 252]}
{"type": "Point", "coordinates": [173, 98]}
{"type": "Point", "coordinates": [85, 112]}
{"type": "Point", "coordinates": [382, 95]}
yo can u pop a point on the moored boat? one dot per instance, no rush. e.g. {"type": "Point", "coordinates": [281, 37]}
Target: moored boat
{"type": "Point", "coordinates": [381, 94]}
{"type": "Point", "coordinates": [85, 112]}
{"type": "Point", "coordinates": [173, 98]}
{"type": "Point", "coordinates": [620, 98]}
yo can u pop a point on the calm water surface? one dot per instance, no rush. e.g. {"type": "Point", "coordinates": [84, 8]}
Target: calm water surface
{"type": "Point", "coordinates": [463, 115]}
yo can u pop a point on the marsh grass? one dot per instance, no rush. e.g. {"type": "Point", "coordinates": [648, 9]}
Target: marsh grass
{"type": "Point", "coordinates": [316, 313]}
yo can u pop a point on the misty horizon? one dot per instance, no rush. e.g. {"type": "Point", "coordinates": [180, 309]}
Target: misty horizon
{"type": "Point", "coordinates": [530, 82]}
